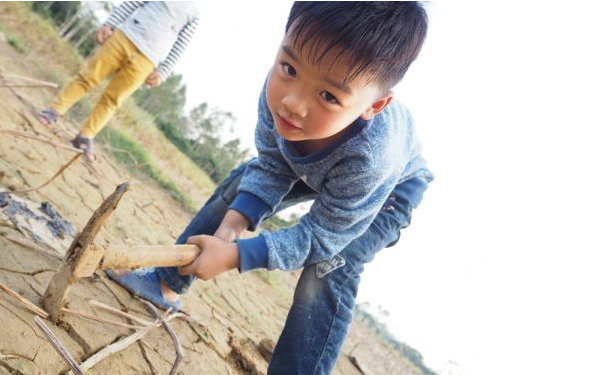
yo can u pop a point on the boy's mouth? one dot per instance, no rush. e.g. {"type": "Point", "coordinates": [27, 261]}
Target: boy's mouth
{"type": "Point", "coordinates": [288, 125]}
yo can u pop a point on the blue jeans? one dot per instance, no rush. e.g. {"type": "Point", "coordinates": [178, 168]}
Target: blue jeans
{"type": "Point", "coordinates": [321, 312]}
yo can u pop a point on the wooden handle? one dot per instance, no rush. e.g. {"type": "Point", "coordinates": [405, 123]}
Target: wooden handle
{"type": "Point", "coordinates": [116, 257]}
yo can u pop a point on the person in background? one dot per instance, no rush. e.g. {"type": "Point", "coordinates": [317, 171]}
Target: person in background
{"type": "Point", "coordinates": [141, 42]}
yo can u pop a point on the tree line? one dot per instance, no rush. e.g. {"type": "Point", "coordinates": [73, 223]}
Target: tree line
{"type": "Point", "coordinates": [200, 134]}
{"type": "Point", "coordinates": [75, 21]}
{"type": "Point", "coordinates": [379, 329]}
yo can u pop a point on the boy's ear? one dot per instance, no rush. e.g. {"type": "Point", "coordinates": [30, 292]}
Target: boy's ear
{"type": "Point", "coordinates": [378, 106]}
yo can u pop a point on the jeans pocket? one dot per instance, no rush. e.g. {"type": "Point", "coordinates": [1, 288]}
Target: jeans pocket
{"type": "Point", "coordinates": [326, 266]}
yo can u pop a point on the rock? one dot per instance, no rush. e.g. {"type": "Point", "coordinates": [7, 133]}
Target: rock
{"type": "Point", "coordinates": [266, 347]}
{"type": "Point", "coordinates": [247, 357]}
{"type": "Point", "coordinates": [4, 199]}
{"type": "Point", "coordinates": [58, 225]}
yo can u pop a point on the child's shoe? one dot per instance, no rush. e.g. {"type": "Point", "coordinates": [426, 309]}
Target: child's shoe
{"type": "Point", "coordinates": [48, 117]}
{"type": "Point", "coordinates": [85, 144]}
{"type": "Point", "coordinates": [145, 283]}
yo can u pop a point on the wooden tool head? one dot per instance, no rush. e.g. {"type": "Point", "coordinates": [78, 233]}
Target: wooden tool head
{"type": "Point", "coordinates": [82, 258]}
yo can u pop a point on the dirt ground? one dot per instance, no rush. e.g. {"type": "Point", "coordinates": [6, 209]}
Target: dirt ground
{"type": "Point", "coordinates": [224, 320]}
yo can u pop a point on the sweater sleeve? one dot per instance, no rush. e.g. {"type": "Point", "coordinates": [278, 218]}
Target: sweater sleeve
{"type": "Point", "coordinates": [342, 212]}
{"type": "Point", "coordinates": [121, 12]}
{"type": "Point", "coordinates": [268, 178]}
{"type": "Point", "coordinates": [178, 48]}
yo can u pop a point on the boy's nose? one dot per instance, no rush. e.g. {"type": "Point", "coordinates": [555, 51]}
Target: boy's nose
{"type": "Point", "coordinates": [295, 105]}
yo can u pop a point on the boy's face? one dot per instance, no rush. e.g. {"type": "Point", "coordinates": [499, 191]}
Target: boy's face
{"type": "Point", "coordinates": [310, 102]}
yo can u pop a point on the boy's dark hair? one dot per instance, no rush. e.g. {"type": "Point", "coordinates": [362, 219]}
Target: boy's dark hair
{"type": "Point", "coordinates": [378, 37]}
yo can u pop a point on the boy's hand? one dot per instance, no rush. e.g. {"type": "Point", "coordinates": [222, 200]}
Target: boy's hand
{"type": "Point", "coordinates": [217, 256]}
{"type": "Point", "coordinates": [103, 34]}
{"type": "Point", "coordinates": [232, 225]}
{"type": "Point", "coordinates": [154, 79]}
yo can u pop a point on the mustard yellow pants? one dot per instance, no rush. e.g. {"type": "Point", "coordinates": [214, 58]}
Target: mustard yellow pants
{"type": "Point", "coordinates": [117, 55]}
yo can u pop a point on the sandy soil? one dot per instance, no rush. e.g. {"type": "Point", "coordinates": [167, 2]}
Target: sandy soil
{"type": "Point", "coordinates": [225, 319]}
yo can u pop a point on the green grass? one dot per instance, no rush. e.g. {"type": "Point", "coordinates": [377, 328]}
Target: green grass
{"type": "Point", "coordinates": [137, 161]}
{"type": "Point", "coordinates": [16, 43]}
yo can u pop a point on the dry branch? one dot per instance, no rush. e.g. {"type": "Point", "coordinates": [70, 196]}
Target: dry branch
{"type": "Point", "coordinates": [33, 246]}
{"type": "Point", "coordinates": [59, 172]}
{"type": "Point", "coordinates": [173, 336]}
{"type": "Point", "coordinates": [18, 133]}
{"type": "Point", "coordinates": [122, 344]}
{"type": "Point", "coordinates": [43, 314]}
{"type": "Point", "coordinates": [38, 82]}
{"type": "Point", "coordinates": [19, 86]}
{"type": "Point", "coordinates": [111, 309]}
{"type": "Point", "coordinates": [57, 345]}
{"type": "Point", "coordinates": [99, 319]}
{"type": "Point", "coordinates": [29, 305]}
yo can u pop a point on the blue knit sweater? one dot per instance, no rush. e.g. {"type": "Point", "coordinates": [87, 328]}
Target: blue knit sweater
{"type": "Point", "coordinates": [353, 178]}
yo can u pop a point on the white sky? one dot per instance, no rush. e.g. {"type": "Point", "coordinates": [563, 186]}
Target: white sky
{"type": "Point", "coordinates": [506, 268]}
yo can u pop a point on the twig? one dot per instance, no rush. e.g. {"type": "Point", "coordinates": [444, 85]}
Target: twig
{"type": "Point", "coordinates": [18, 133]}
{"type": "Point", "coordinates": [28, 79]}
{"type": "Point", "coordinates": [215, 316]}
{"type": "Point", "coordinates": [146, 205]}
{"type": "Point", "coordinates": [173, 336]}
{"type": "Point", "coordinates": [99, 319]}
{"type": "Point", "coordinates": [29, 305]}
{"type": "Point", "coordinates": [33, 246]}
{"type": "Point", "coordinates": [40, 85]}
{"type": "Point", "coordinates": [111, 309]}
{"type": "Point", "coordinates": [43, 314]}
{"type": "Point", "coordinates": [57, 345]}
{"type": "Point", "coordinates": [121, 344]}
{"type": "Point", "coordinates": [59, 172]}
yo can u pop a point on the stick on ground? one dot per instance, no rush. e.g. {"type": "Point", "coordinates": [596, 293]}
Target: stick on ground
{"type": "Point", "coordinates": [41, 139]}
{"type": "Point", "coordinates": [57, 345]}
{"type": "Point", "coordinates": [173, 336]}
{"type": "Point", "coordinates": [43, 314]}
{"type": "Point", "coordinates": [38, 82]}
{"type": "Point", "coordinates": [121, 344]}
{"type": "Point", "coordinates": [105, 307]}
{"type": "Point", "coordinates": [34, 246]}
{"type": "Point", "coordinates": [29, 305]}
{"type": "Point", "coordinates": [59, 172]}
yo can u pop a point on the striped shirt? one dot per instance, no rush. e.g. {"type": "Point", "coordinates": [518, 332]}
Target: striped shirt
{"type": "Point", "coordinates": [160, 30]}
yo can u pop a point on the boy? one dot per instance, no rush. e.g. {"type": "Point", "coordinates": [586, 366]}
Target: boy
{"type": "Point", "coordinates": [141, 42]}
{"type": "Point", "coordinates": [328, 130]}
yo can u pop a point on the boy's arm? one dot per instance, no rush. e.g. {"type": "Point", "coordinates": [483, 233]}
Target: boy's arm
{"type": "Point", "coordinates": [183, 40]}
{"type": "Point", "coordinates": [267, 178]}
{"type": "Point", "coordinates": [342, 211]}
{"type": "Point", "coordinates": [232, 225]}
{"type": "Point", "coordinates": [117, 16]}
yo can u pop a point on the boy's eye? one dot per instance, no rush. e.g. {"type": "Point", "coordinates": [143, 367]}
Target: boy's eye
{"type": "Point", "coordinates": [288, 69]}
{"type": "Point", "coordinates": [329, 97]}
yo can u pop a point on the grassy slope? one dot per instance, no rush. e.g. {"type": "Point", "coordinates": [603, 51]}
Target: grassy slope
{"type": "Point", "coordinates": [131, 136]}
